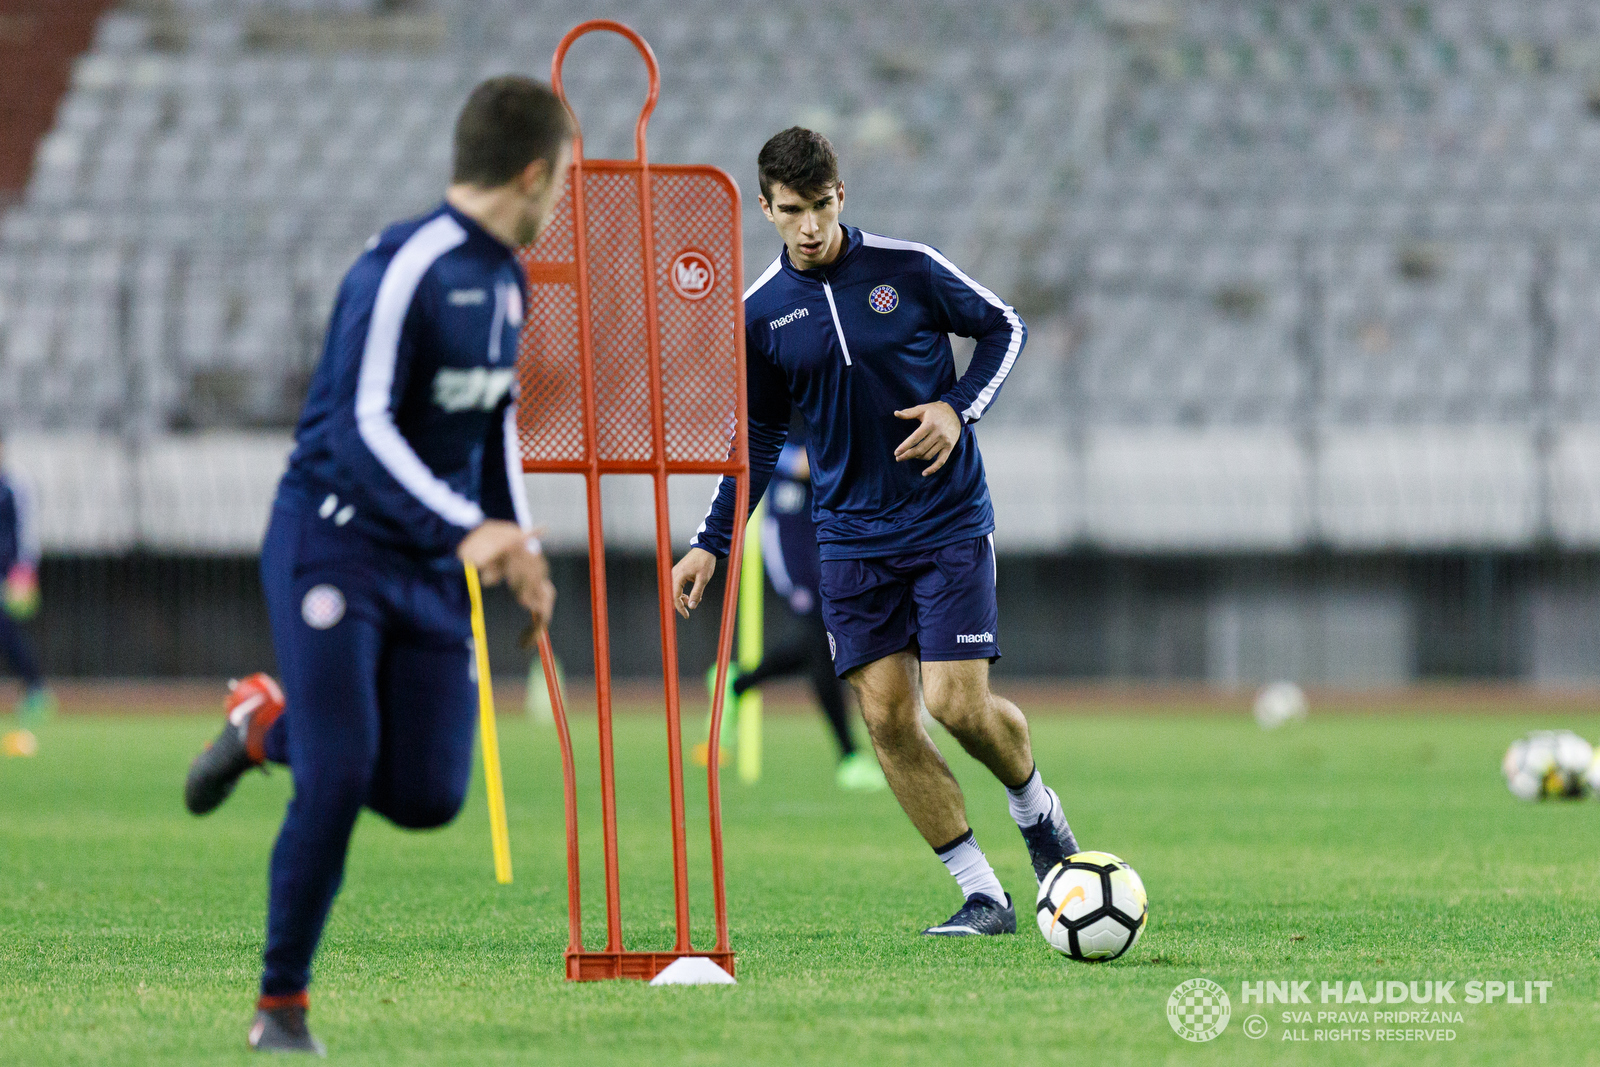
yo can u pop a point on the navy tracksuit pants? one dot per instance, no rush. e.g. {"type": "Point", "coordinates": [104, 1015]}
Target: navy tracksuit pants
{"type": "Point", "coordinates": [375, 651]}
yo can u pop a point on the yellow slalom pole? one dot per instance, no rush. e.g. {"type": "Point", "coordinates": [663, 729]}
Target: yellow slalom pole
{"type": "Point", "coordinates": [499, 834]}
{"type": "Point", "coordinates": [752, 592]}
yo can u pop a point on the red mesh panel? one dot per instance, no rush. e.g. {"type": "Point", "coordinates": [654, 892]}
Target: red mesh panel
{"type": "Point", "coordinates": [695, 211]}
{"type": "Point", "coordinates": [617, 316]}
{"type": "Point", "coordinates": [695, 215]}
{"type": "Point", "coordinates": [549, 358]}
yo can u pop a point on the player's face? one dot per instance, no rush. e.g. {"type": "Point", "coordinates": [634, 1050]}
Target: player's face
{"type": "Point", "coordinates": [540, 199]}
{"type": "Point", "coordinates": [809, 225]}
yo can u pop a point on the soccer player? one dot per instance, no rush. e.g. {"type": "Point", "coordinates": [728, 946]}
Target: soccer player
{"type": "Point", "coordinates": [851, 328]}
{"type": "Point", "coordinates": [19, 563]}
{"type": "Point", "coordinates": [405, 465]}
{"type": "Point", "coordinates": [789, 550]}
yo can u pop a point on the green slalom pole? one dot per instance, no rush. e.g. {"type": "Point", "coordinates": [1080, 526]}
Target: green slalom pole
{"type": "Point", "coordinates": [752, 592]}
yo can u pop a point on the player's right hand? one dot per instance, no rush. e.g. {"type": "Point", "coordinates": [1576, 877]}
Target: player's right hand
{"type": "Point", "coordinates": [487, 545]}
{"type": "Point", "coordinates": [696, 567]}
{"type": "Point", "coordinates": [499, 549]}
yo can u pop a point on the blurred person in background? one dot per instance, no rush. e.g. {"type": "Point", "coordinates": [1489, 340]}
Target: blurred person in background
{"type": "Point", "coordinates": [793, 563]}
{"type": "Point", "coordinates": [405, 467]}
{"type": "Point", "coordinates": [19, 562]}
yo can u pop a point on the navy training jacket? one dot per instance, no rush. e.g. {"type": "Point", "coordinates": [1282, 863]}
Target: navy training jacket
{"type": "Point", "coordinates": [848, 345]}
{"type": "Point", "coordinates": [409, 429]}
{"type": "Point", "coordinates": [19, 534]}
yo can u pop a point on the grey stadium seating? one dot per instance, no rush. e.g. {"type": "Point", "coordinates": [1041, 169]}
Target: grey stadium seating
{"type": "Point", "coordinates": [1326, 270]}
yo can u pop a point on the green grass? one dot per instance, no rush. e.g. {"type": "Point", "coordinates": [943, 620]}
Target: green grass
{"type": "Point", "coordinates": [1352, 848]}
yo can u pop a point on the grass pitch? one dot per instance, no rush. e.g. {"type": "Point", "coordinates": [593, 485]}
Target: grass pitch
{"type": "Point", "coordinates": [1353, 848]}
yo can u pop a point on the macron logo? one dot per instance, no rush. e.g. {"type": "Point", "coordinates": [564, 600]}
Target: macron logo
{"type": "Point", "coordinates": [797, 313]}
{"type": "Point", "coordinates": [974, 639]}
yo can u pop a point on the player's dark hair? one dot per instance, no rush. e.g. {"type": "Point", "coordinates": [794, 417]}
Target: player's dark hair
{"type": "Point", "coordinates": [507, 123]}
{"type": "Point", "coordinates": [800, 158]}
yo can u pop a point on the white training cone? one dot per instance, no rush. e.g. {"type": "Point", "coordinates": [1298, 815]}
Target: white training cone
{"type": "Point", "coordinates": [693, 970]}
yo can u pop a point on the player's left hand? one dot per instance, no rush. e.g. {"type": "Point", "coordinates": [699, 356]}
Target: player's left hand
{"type": "Point", "coordinates": [487, 546]}
{"type": "Point", "coordinates": [935, 439]}
{"type": "Point", "coordinates": [528, 575]}
{"type": "Point", "coordinates": [22, 592]}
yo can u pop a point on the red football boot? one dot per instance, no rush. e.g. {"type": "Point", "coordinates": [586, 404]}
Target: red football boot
{"type": "Point", "coordinates": [252, 707]}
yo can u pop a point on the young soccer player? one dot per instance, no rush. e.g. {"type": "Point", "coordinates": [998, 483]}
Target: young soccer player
{"type": "Point", "coordinates": [405, 465]}
{"type": "Point", "coordinates": [852, 329]}
{"type": "Point", "coordinates": [19, 565]}
{"type": "Point", "coordinates": [793, 564]}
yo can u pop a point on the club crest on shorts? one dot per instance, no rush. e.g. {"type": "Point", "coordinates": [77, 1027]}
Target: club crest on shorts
{"type": "Point", "coordinates": [833, 649]}
{"type": "Point", "coordinates": [883, 299]}
{"type": "Point", "coordinates": [322, 607]}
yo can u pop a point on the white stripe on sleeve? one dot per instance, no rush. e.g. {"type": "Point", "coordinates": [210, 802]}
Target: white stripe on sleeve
{"type": "Point", "coordinates": [694, 542]}
{"type": "Point", "coordinates": [514, 477]}
{"type": "Point", "coordinates": [498, 325]}
{"type": "Point", "coordinates": [766, 276]}
{"type": "Point", "coordinates": [981, 402]}
{"type": "Point", "coordinates": [373, 418]}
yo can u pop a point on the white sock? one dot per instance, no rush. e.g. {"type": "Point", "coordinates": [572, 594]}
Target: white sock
{"type": "Point", "coordinates": [970, 867]}
{"type": "Point", "coordinates": [1031, 801]}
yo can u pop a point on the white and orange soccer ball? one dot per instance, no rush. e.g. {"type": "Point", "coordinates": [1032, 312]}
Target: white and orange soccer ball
{"type": "Point", "coordinates": [1092, 906]}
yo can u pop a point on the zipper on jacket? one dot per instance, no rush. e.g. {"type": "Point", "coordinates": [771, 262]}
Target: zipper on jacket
{"type": "Point", "coordinates": [837, 328]}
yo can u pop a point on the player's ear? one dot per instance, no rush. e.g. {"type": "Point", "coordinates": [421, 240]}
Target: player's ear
{"type": "Point", "coordinates": [766, 208]}
{"type": "Point", "coordinates": [838, 194]}
{"type": "Point", "coordinates": [534, 177]}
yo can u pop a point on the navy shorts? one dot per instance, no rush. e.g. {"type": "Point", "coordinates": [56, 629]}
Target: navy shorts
{"type": "Point", "coordinates": [939, 603]}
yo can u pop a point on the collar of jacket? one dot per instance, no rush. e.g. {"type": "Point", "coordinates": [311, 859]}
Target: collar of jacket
{"type": "Point", "coordinates": [475, 228]}
{"type": "Point", "coordinates": [852, 244]}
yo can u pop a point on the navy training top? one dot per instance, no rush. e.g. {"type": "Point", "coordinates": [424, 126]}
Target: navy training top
{"type": "Point", "coordinates": [848, 345]}
{"type": "Point", "coordinates": [19, 534]}
{"type": "Point", "coordinates": [409, 429]}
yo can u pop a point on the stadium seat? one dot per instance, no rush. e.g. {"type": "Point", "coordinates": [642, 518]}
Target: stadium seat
{"type": "Point", "coordinates": [1267, 219]}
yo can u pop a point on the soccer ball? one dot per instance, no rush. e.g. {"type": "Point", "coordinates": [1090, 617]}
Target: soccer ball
{"type": "Point", "coordinates": [1279, 703]}
{"type": "Point", "coordinates": [1549, 763]}
{"type": "Point", "coordinates": [1574, 758]}
{"type": "Point", "coordinates": [1092, 906]}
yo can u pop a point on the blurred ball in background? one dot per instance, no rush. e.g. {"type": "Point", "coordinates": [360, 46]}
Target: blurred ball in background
{"type": "Point", "coordinates": [1279, 703]}
{"type": "Point", "coordinates": [1549, 764]}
